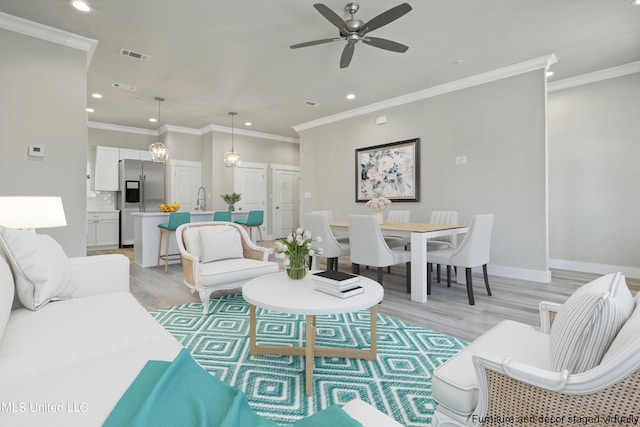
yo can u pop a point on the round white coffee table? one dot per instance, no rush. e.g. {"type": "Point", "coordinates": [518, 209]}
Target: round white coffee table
{"type": "Point", "coordinates": [277, 292]}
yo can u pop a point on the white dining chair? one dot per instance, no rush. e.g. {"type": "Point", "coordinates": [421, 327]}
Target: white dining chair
{"type": "Point", "coordinates": [341, 235]}
{"type": "Point", "coordinates": [442, 242]}
{"type": "Point", "coordinates": [332, 248]}
{"type": "Point", "coordinates": [369, 248]}
{"type": "Point", "coordinates": [474, 251]}
{"type": "Point", "coordinates": [397, 215]}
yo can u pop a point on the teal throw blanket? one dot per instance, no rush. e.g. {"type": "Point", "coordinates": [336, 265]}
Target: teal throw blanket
{"type": "Point", "coordinates": [182, 393]}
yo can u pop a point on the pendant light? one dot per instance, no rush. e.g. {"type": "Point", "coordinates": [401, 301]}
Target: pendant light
{"type": "Point", "coordinates": [231, 158]}
{"type": "Point", "coordinates": [159, 151]}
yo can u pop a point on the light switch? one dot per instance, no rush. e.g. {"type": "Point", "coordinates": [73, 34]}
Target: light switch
{"type": "Point", "coordinates": [36, 151]}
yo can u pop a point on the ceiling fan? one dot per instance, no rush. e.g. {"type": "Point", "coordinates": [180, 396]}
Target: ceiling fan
{"type": "Point", "coordinates": [353, 30]}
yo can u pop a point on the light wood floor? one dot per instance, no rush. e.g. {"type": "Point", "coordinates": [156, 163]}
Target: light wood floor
{"type": "Point", "coordinates": [447, 309]}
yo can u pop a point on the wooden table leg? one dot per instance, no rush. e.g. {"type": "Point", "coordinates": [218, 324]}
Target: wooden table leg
{"type": "Point", "coordinates": [373, 322]}
{"type": "Point", "coordinates": [310, 353]}
{"type": "Point", "coordinates": [252, 329]}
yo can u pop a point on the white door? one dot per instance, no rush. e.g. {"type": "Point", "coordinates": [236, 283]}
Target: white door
{"type": "Point", "coordinates": [185, 181]}
{"type": "Point", "coordinates": [286, 201]}
{"type": "Point", "coordinates": [250, 181]}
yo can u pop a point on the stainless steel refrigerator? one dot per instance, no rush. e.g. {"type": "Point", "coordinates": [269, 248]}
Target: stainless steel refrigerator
{"type": "Point", "coordinates": [141, 190]}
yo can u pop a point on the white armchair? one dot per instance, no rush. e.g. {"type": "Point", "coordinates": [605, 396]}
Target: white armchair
{"type": "Point", "coordinates": [219, 256]}
{"type": "Point", "coordinates": [512, 370]}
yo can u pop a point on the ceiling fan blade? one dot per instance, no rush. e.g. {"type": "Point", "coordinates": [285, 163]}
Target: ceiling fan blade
{"type": "Point", "coordinates": [385, 44]}
{"type": "Point", "coordinates": [331, 16]}
{"type": "Point", "coordinates": [347, 54]}
{"type": "Point", "coordinates": [314, 42]}
{"type": "Point", "coordinates": [385, 17]}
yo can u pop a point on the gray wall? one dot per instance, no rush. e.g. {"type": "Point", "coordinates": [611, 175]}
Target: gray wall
{"type": "Point", "coordinates": [43, 101]}
{"type": "Point", "coordinates": [499, 126]}
{"type": "Point", "coordinates": [594, 178]}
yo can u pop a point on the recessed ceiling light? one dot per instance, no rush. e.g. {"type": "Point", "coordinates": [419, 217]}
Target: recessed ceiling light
{"type": "Point", "coordinates": [80, 5]}
{"type": "Point", "coordinates": [153, 120]}
{"type": "Point", "coordinates": [90, 110]}
{"type": "Point", "coordinates": [248, 123]}
{"type": "Point", "coordinates": [96, 95]}
{"type": "Point", "coordinates": [549, 73]}
{"type": "Point", "coordinates": [636, 2]}
{"type": "Point", "coordinates": [351, 96]}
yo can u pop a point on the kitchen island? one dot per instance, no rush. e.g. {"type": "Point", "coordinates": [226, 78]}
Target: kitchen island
{"type": "Point", "coordinates": [146, 235]}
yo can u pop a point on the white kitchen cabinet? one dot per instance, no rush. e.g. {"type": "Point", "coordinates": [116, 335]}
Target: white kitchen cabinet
{"type": "Point", "coordinates": [106, 175]}
{"type": "Point", "coordinates": [103, 230]}
{"type": "Point", "coordinates": [127, 153]}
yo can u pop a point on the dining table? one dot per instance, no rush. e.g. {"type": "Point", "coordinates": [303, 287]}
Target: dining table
{"type": "Point", "coordinates": [419, 233]}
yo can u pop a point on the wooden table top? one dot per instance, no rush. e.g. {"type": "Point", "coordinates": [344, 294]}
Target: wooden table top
{"type": "Point", "coordinates": [414, 227]}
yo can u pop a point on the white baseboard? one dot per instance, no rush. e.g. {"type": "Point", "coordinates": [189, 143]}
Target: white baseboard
{"type": "Point", "coordinates": [589, 267]}
{"type": "Point", "coordinates": [540, 276]}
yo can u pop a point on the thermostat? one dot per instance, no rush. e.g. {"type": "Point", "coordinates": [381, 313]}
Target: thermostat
{"type": "Point", "coordinates": [36, 151]}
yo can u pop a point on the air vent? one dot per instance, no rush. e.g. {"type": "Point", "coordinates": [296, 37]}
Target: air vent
{"type": "Point", "coordinates": [311, 103]}
{"type": "Point", "coordinates": [135, 55]}
{"type": "Point", "coordinates": [124, 86]}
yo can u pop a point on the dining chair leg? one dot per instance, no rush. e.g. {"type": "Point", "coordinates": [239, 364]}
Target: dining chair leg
{"type": "Point", "coordinates": [429, 270]}
{"type": "Point", "coordinates": [409, 277]}
{"type": "Point", "coordinates": [469, 286]}
{"type": "Point", "coordinates": [380, 270]}
{"type": "Point", "coordinates": [438, 273]}
{"type": "Point", "coordinates": [448, 276]}
{"type": "Point", "coordinates": [355, 268]}
{"type": "Point", "coordinates": [486, 279]}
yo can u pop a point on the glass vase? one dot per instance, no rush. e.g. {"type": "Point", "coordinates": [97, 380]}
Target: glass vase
{"type": "Point", "coordinates": [296, 272]}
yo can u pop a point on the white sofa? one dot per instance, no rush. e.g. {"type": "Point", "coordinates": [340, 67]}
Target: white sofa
{"type": "Point", "coordinates": [219, 255]}
{"type": "Point", "coordinates": [583, 363]}
{"type": "Point", "coordinates": [68, 362]}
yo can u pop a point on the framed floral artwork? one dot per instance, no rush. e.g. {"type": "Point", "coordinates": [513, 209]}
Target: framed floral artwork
{"type": "Point", "coordinates": [390, 170]}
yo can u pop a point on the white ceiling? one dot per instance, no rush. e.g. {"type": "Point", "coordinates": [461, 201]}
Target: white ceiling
{"type": "Point", "coordinates": [212, 57]}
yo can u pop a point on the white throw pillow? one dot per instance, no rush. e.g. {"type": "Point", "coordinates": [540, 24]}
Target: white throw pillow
{"type": "Point", "coordinates": [41, 270]}
{"type": "Point", "coordinates": [7, 289]}
{"type": "Point", "coordinates": [223, 244]}
{"type": "Point", "coordinates": [587, 323]}
{"type": "Point", "coordinates": [191, 238]}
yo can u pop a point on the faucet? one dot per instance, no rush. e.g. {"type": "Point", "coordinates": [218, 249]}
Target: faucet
{"type": "Point", "coordinates": [201, 203]}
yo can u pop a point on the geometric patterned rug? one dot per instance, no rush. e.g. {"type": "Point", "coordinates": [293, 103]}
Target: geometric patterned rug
{"type": "Point", "coordinates": [398, 383]}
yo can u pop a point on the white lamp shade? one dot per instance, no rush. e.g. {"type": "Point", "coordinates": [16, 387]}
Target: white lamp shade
{"type": "Point", "coordinates": [31, 212]}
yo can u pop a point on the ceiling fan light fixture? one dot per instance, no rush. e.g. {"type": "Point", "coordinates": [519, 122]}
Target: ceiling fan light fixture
{"type": "Point", "coordinates": [158, 150]}
{"type": "Point", "coordinates": [232, 158]}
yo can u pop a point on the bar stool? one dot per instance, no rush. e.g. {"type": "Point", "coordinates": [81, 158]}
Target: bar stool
{"type": "Point", "coordinates": [176, 219]}
{"type": "Point", "coordinates": [254, 220]}
{"type": "Point", "coordinates": [222, 216]}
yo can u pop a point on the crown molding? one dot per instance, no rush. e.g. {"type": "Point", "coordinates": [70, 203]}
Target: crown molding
{"type": "Point", "coordinates": [251, 133]}
{"type": "Point", "coordinates": [189, 131]}
{"type": "Point", "coordinates": [120, 128]}
{"type": "Point", "coordinates": [50, 34]}
{"type": "Point", "coordinates": [596, 76]}
{"type": "Point", "coordinates": [542, 62]}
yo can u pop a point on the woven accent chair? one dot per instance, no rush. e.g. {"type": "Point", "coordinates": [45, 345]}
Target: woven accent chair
{"type": "Point", "coordinates": [219, 255]}
{"type": "Point", "coordinates": [509, 371]}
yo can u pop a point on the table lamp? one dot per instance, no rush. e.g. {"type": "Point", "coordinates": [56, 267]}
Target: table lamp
{"type": "Point", "coordinates": [29, 213]}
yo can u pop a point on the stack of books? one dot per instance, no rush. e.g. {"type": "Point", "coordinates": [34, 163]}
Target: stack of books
{"type": "Point", "coordinates": [337, 283]}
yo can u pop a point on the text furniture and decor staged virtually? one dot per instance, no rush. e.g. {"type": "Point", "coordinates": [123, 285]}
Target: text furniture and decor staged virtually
{"type": "Point", "coordinates": [279, 293]}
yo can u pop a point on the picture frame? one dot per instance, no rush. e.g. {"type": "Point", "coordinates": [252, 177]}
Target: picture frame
{"type": "Point", "coordinates": [389, 170]}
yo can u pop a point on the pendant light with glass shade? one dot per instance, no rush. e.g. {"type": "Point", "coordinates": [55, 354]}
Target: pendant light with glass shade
{"type": "Point", "coordinates": [231, 158]}
{"type": "Point", "coordinates": [159, 151]}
